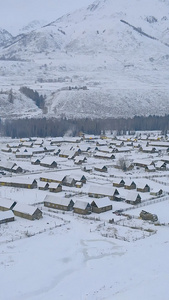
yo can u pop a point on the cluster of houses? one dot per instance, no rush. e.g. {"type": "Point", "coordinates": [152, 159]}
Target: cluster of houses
{"type": "Point", "coordinates": [90, 154]}
{"type": "Point", "coordinates": [79, 207]}
{"type": "Point", "coordinates": [10, 208]}
{"type": "Point", "coordinates": [51, 181]}
{"type": "Point", "coordinates": [45, 152]}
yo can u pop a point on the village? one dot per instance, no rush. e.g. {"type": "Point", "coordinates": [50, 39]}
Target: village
{"type": "Point", "coordinates": [118, 181]}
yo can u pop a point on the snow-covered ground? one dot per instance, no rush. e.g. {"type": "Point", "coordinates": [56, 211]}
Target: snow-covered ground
{"type": "Point", "coordinates": [69, 256]}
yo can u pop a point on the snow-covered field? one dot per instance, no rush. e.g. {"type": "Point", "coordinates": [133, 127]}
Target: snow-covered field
{"type": "Point", "coordinates": [66, 255]}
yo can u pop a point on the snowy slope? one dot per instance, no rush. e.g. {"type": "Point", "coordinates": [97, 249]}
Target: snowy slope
{"type": "Point", "coordinates": [5, 36]}
{"type": "Point", "coordinates": [118, 50]}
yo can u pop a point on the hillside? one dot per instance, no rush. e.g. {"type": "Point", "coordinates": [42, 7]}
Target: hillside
{"type": "Point", "coordinates": [108, 59]}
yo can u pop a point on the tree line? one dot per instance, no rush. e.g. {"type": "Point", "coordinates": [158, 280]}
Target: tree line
{"type": "Point", "coordinates": [59, 127]}
{"type": "Point", "coordinates": [34, 95]}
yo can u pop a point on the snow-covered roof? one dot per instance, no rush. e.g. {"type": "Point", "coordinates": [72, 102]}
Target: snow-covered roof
{"type": "Point", "coordinates": [79, 158]}
{"type": "Point", "coordinates": [7, 203]}
{"type": "Point", "coordinates": [151, 168]}
{"type": "Point", "coordinates": [105, 149]}
{"type": "Point", "coordinates": [24, 208]}
{"type": "Point", "coordinates": [7, 164]}
{"type": "Point", "coordinates": [54, 185]}
{"type": "Point", "coordinates": [99, 166]}
{"type": "Point", "coordinates": [6, 214]}
{"type": "Point", "coordinates": [57, 200]}
{"type": "Point", "coordinates": [128, 182]}
{"type": "Point", "coordinates": [102, 190]}
{"type": "Point", "coordinates": [159, 164]}
{"type": "Point", "coordinates": [68, 153]}
{"type": "Point", "coordinates": [48, 160]}
{"type": "Point", "coordinates": [102, 202]}
{"type": "Point", "coordinates": [118, 180]}
{"type": "Point", "coordinates": [18, 180]}
{"type": "Point", "coordinates": [81, 204]}
{"type": "Point", "coordinates": [131, 195]}
{"type": "Point", "coordinates": [103, 154]}
{"type": "Point", "coordinates": [58, 176]}
{"type": "Point", "coordinates": [42, 184]}
{"type": "Point", "coordinates": [141, 185]}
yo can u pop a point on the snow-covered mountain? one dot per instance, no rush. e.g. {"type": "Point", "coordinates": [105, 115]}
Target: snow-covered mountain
{"type": "Point", "coordinates": [33, 25]}
{"type": "Point", "coordinates": [5, 37]}
{"type": "Point", "coordinates": [108, 59]}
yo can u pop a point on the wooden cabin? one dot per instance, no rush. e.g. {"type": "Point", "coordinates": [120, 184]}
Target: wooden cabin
{"type": "Point", "coordinates": [160, 166]}
{"type": "Point", "coordinates": [101, 205]}
{"type": "Point", "coordinates": [129, 184]}
{"type": "Point", "coordinates": [55, 187]}
{"type": "Point", "coordinates": [156, 192]}
{"type": "Point", "coordinates": [79, 177]}
{"type": "Point", "coordinates": [27, 211]}
{"type": "Point", "coordinates": [78, 184]}
{"type": "Point", "coordinates": [65, 204]}
{"type": "Point", "coordinates": [35, 161]}
{"type": "Point", "coordinates": [102, 191]}
{"type": "Point", "coordinates": [24, 154]}
{"type": "Point", "coordinates": [88, 169]}
{"type": "Point", "coordinates": [55, 177]}
{"type": "Point", "coordinates": [80, 160]}
{"type": "Point", "coordinates": [7, 165]}
{"type": "Point", "coordinates": [100, 168]}
{"type": "Point", "coordinates": [118, 182]}
{"type": "Point", "coordinates": [6, 216]}
{"type": "Point", "coordinates": [6, 204]}
{"type": "Point", "coordinates": [82, 207]}
{"type": "Point", "coordinates": [104, 155]}
{"type": "Point", "coordinates": [150, 168]}
{"type": "Point", "coordinates": [43, 186]}
{"type": "Point", "coordinates": [19, 182]}
{"type": "Point", "coordinates": [144, 188]}
{"type": "Point", "coordinates": [133, 198]}
{"type": "Point", "coordinates": [69, 181]}
{"type": "Point", "coordinates": [17, 169]}
{"type": "Point", "coordinates": [48, 162]}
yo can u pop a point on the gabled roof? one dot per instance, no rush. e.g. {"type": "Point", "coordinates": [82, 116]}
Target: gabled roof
{"type": "Point", "coordinates": [102, 190]}
{"type": "Point", "coordinates": [19, 180]}
{"type": "Point", "coordinates": [142, 185]}
{"type": "Point", "coordinates": [48, 160]}
{"type": "Point", "coordinates": [159, 164]}
{"type": "Point", "coordinates": [118, 180]}
{"type": "Point", "coordinates": [54, 185]}
{"type": "Point", "coordinates": [57, 176]}
{"type": "Point", "coordinates": [132, 196]}
{"type": "Point", "coordinates": [103, 154]}
{"type": "Point", "coordinates": [81, 204]}
{"type": "Point", "coordinates": [128, 182]}
{"type": "Point", "coordinates": [42, 184]}
{"type": "Point", "coordinates": [6, 215]}
{"type": "Point", "coordinates": [100, 167]}
{"type": "Point", "coordinates": [25, 208]}
{"type": "Point", "coordinates": [151, 168]}
{"type": "Point", "coordinates": [77, 177]}
{"type": "Point", "coordinates": [7, 164]}
{"type": "Point", "coordinates": [68, 153]}
{"type": "Point", "coordinates": [80, 158]}
{"type": "Point", "coordinates": [7, 203]}
{"type": "Point", "coordinates": [102, 202]}
{"type": "Point", "coordinates": [57, 200]}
